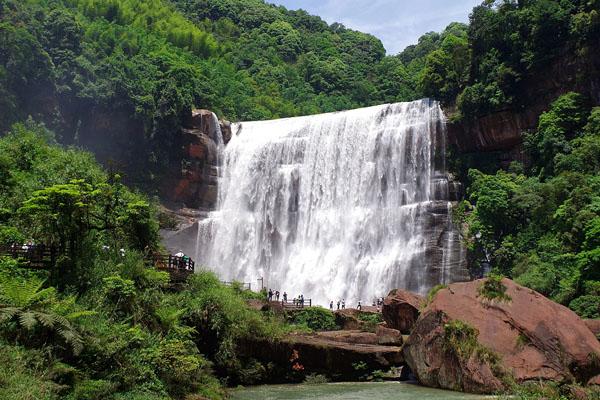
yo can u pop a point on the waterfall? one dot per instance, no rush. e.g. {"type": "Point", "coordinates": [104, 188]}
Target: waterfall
{"type": "Point", "coordinates": [345, 205]}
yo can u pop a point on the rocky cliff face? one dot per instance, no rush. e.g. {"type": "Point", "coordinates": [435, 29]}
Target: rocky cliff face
{"type": "Point", "coordinates": [189, 190]}
{"type": "Point", "coordinates": [194, 184]}
{"type": "Point", "coordinates": [502, 131]}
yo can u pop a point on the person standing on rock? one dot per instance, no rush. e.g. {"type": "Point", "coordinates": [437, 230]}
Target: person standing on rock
{"type": "Point", "coordinates": [270, 295]}
{"type": "Point", "coordinates": [338, 305]}
{"type": "Point", "coordinates": [359, 307]}
{"type": "Point", "coordinates": [343, 304]}
{"type": "Point", "coordinates": [285, 297]}
{"type": "Point", "coordinates": [277, 295]}
{"type": "Point", "coordinates": [331, 305]}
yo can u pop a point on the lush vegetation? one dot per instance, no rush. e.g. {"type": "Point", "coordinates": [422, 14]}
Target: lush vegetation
{"type": "Point", "coordinates": [540, 223]}
{"type": "Point", "coordinates": [102, 323]}
{"type": "Point", "coordinates": [313, 318]}
{"type": "Point", "coordinates": [119, 76]}
{"type": "Point", "coordinates": [508, 44]}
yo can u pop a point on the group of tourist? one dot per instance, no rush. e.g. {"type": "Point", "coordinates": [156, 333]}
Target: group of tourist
{"type": "Point", "coordinates": [273, 295]}
{"type": "Point", "coordinates": [341, 303]}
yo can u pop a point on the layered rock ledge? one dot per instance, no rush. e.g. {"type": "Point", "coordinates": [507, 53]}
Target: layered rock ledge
{"type": "Point", "coordinates": [344, 355]}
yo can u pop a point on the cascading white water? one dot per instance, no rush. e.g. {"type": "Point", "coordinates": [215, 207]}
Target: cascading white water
{"type": "Point", "coordinates": [333, 206]}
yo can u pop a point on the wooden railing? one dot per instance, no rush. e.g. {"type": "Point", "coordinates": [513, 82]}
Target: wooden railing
{"type": "Point", "coordinates": [43, 256]}
{"type": "Point", "coordinates": [245, 286]}
{"type": "Point", "coordinates": [297, 304]}
{"type": "Point", "coordinates": [35, 255]}
{"type": "Point", "coordinates": [169, 262]}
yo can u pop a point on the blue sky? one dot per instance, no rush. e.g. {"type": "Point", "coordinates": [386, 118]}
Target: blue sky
{"type": "Point", "coordinates": [398, 23]}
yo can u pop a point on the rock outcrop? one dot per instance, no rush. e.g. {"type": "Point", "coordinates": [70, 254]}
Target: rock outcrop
{"type": "Point", "coordinates": [463, 342]}
{"type": "Point", "coordinates": [194, 185]}
{"type": "Point", "coordinates": [502, 131]}
{"type": "Point", "coordinates": [388, 337]}
{"type": "Point", "coordinates": [348, 319]}
{"type": "Point", "coordinates": [350, 337]}
{"type": "Point", "coordinates": [401, 309]}
{"type": "Point", "coordinates": [324, 353]}
{"type": "Point", "coordinates": [189, 190]}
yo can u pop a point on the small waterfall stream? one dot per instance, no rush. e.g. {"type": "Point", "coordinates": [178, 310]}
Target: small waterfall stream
{"type": "Point", "coordinates": [334, 206]}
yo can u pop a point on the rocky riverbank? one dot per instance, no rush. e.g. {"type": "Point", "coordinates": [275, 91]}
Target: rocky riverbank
{"type": "Point", "coordinates": [483, 336]}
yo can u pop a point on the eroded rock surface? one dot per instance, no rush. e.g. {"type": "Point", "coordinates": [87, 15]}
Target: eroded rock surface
{"type": "Point", "coordinates": [350, 337]}
{"type": "Point", "coordinates": [401, 309]}
{"type": "Point", "coordinates": [388, 337]}
{"type": "Point", "coordinates": [533, 337]}
{"type": "Point", "coordinates": [348, 320]}
{"type": "Point", "coordinates": [194, 185]}
{"type": "Point", "coordinates": [325, 353]}
{"type": "Point", "coordinates": [594, 325]}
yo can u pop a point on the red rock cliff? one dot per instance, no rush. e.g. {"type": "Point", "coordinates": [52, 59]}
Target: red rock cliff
{"type": "Point", "coordinates": [502, 131]}
{"type": "Point", "coordinates": [194, 184]}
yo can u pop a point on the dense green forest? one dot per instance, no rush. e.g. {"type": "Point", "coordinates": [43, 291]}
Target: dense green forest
{"type": "Point", "coordinates": [102, 323]}
{"type": "Point", "coordinates": [540, 224]}
{"type": "Point", "coordinates": [119, 76]}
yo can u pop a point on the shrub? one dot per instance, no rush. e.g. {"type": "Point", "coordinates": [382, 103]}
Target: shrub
{"type": "Point", "coordinates": [493, 289]}
{"type": "Point", "coordinates": [24, 375]}
{"type": "Point", "coordinates": [434, 290]}
{"type": "Point", "coordinates": [91, 389]}
{"type": "Point", "coordinates": [371, 320]}
{"type": "Point", "coordinates": [587, 306]}
{"type": "Point", "coordinates": [315, 318]}
{"type": "Point", "coordinates": [461, 340]}
{"type": "Point", "coordinates": [315, 379]}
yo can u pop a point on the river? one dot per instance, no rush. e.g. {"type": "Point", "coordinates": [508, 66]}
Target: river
{"type": "Point", "coordinates": [350, 391]}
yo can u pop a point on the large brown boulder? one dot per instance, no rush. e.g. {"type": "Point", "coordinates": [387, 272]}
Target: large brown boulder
{"type": "Point", "coordinates": [464, 342]}
{"type": "Point", "coordinates": [352, 337]}
{"type": "Point", "coordinates": [323, 353]}
{"type": "Point", "coordinates": [401, 309]}
{"type": "Point", "coordinates": [388, 337]}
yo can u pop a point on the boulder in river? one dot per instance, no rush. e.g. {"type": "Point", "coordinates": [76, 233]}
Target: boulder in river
{"type": "Point", "coordinates": [465, 341]}
{"type": "Point", "coordinates": [340, 355]}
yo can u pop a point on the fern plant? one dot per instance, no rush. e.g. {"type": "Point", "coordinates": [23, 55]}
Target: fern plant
{"type": "Point", "coordinates": [31, 312]}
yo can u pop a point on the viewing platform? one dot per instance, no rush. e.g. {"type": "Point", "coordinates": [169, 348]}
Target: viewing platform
{"type": "Point", "coordinates": [292, 305]}
{"type": "Point", "coordinates": [41, 256]}
{"type": "Point", "coordinates": [37, 256]}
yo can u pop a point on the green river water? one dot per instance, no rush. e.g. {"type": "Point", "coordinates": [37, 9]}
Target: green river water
{"type": "Point", "coordinates": [350, 391]}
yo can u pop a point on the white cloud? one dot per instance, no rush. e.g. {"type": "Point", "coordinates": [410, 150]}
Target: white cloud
{"type": "Point", "coordinates": [398, 23]}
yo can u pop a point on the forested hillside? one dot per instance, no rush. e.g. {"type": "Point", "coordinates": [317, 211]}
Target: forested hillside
{"type": "Point", "coordinates": [540, 223]}
{"type": "Point", "coordinates": [117, 76]}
